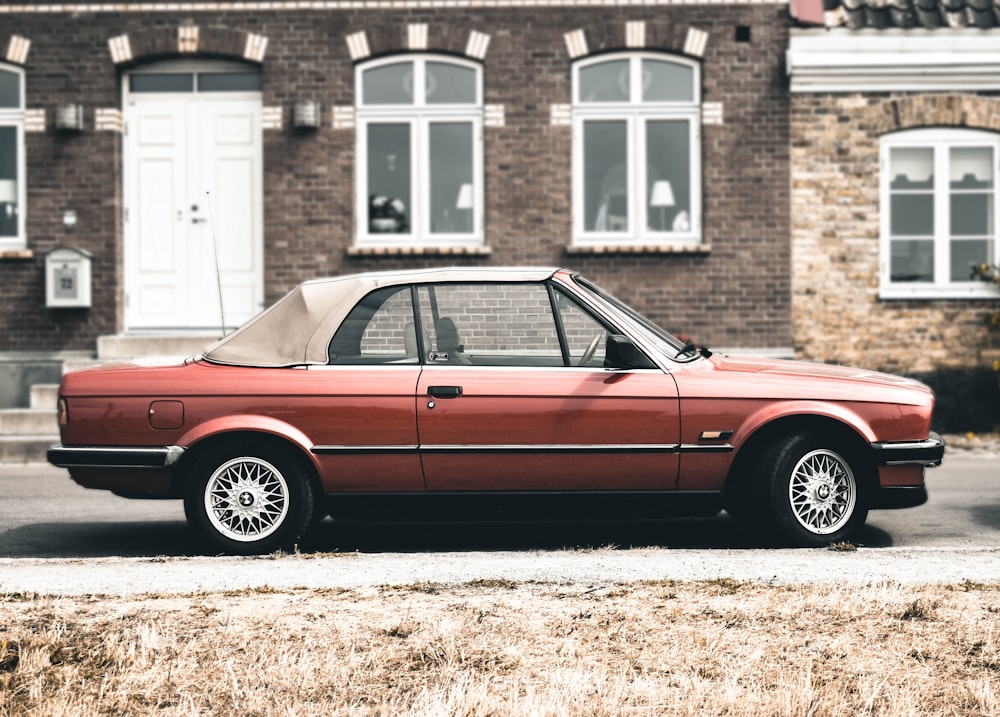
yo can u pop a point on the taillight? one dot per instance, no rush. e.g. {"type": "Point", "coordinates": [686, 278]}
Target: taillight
{"type": "Point", "coordinates": [63, 409]}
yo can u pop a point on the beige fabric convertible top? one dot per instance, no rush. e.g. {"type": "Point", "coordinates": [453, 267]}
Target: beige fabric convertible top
{"type": "Point", "coordinates": [297, 329]}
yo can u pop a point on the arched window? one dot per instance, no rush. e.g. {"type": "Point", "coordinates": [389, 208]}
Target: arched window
{"type": "Point", "coordinates": [939, 209]}
{"type": "Point", "coordinates": [419, 149]}
{"type": "Point", "coordinates": [636, 150]}
{"type": "Point", "coordinates": [12, 191]}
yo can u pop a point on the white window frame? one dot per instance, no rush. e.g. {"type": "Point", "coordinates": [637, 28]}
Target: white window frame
{"type": "Point", "coordinates": [636, 114]}
{"type": "Point", "coordinates": [940, 140]}
{"type": "Point", "coordinates": [420, 116]}
{"type": "Point", "coordinates": [15, 118]}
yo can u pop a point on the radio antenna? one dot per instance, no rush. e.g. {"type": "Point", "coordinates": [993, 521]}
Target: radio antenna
{"type": "Point", "coordinates": [215, 251]}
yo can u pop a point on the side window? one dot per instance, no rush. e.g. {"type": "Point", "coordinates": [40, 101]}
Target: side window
{"type": "Point", "coordinates": [585, 336]}
{"type": "Point", "coordinates": [489, 325]}
{"type": "Point", "coordinates": [12, 194]}
{"type": "Point", "coordinates": [379, 330]}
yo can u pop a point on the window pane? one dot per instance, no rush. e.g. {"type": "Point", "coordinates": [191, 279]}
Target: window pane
{"type": "Point", "coordinates": [8, 181]}
{"type": "Point", "coordinates": [10, 90]}
{"type": "Point", "coordinates": [389, 178]}
{"type": "Point", "coordinates": [971, 214]}
{"type": "Point", "coordinates": [450, 84]}
{"type": "Point", "coordinates": [967, 254]}
{"type": "Point", "coordinates": [380, 329]}
{"type": "Point", "coordinates": [912, 260]}
{"type": "Point", "coordinates": [581, 329]}
{"type": "Point", "coordinates": [171, 82]}
{"type": "Point", "coordinates": [490, 325]}
{"type": "Point", "coordinates": [911, 214]}
{"type": "Point", "coordinates": [451, 177]}
{"type": "Point", "coordinates": [911, 168]}
{"type": "Point", "coordinates": [388, 85]}
{"type": "Point", "coordinates": [971, 168]}
{"type": "Point", "coordinates": [229, 82]}
{"type": "Point", "coordinates": [668, 176]}
{"type": "Point", "coordinates": [667, 82]}
{"type": "Point", "coordinates": [605, 82]}
{"type": "Point", "coordinates": [605, 166]}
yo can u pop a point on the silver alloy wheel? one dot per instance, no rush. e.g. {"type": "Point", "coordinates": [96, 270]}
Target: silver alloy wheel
{"type": "Point", "coordinates": [823, 492]}
{"type": "Point", "coordinates": [246, 499]}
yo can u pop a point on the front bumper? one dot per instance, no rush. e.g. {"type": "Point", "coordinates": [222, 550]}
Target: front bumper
{"type": "Point", "coordinates": [927, 452]}
{"type": "Point", "coordinates": [112, 457]}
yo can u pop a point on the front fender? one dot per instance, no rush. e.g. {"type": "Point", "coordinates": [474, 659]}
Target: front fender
{"type": "Point", "coordinates": [768, 414]}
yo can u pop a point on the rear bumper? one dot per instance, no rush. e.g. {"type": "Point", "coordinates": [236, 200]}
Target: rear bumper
{"type": "Point", "coordinates": [927, 452]}
{"type": "Point", "coordinates": [111, 457]}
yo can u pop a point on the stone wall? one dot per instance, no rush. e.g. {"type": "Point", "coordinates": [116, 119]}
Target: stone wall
{"type": "Point", "coordinates": [837, 314]}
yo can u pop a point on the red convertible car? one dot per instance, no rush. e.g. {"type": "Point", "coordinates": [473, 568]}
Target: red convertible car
{"type": "Point", "coordinates": [456, 392]}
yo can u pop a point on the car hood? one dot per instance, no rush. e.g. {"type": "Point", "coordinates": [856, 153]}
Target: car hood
{"type": "Point", "coordinates": [778, 368]}
{"type": "Point", "coordinates": [737, 377]}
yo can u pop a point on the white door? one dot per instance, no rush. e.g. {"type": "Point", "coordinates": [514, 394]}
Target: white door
{"type": "Point", "coordinates": [193, 214]}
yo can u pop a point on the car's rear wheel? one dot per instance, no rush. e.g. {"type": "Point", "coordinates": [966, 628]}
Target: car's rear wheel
{"type": "Point", "coordinates": [813, 490]}
{"type": "Point", "coordinates": [249, 501]}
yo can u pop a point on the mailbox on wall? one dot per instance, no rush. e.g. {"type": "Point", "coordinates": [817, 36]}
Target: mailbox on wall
{"type": "Point", "coordinates": [67, 278]}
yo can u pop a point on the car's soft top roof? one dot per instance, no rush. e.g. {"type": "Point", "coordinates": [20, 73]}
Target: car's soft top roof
{"type": "Point", "coordinates": [296, 329]}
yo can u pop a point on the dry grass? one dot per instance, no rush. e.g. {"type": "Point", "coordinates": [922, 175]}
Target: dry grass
{"type": "Point", "coordinates": [501, 648]}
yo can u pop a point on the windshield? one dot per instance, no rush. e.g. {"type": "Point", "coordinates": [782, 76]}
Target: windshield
{"type": "Point", "coordinates": [666, 342]}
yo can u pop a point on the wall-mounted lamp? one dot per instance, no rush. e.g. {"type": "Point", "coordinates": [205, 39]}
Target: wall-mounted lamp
{"type": "Point", "coordinates": [69, 118]}
{"type": "Point", "coordinates": [69, 219]}
{"type": "Point", "coordinates": [306, 115]}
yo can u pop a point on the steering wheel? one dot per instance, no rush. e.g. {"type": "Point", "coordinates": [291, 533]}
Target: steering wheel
{"type": "Point", "coordinates": [589, 351]}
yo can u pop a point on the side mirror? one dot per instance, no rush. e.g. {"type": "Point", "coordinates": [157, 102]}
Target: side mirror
{"type": "Point", "coordinates": [621, 353]}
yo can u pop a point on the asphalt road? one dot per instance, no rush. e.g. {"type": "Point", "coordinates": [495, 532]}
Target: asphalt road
{"type": "Point", "coordinates": [57, 537]}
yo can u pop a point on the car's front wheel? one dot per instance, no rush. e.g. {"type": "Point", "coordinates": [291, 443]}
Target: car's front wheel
{"type": "Point", "coordinates": [813, 490]}
{"type": "Point", "coordinates": [249, 501]}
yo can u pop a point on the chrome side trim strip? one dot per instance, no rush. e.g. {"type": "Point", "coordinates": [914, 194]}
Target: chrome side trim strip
{"type": "Point", "coordinates": [362, 450]}
{"type": "Point", "coordinates": [522, 449]}
{"type": "Point", "coordinates": [702, 448]}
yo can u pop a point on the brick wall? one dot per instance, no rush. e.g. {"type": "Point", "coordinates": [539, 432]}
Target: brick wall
{"type": "Point", "coordinates": [738, 294]}
{"type": "Point", "coordinates": [838, 316]}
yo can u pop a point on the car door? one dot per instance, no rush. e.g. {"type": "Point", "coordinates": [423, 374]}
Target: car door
{"type": "Point", "coordinates": [509, 398]}
{"type": "Point", "coordinates": [361, 411]}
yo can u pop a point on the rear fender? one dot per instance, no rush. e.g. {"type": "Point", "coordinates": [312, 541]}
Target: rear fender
{"type": "Point", "coordinates": [249, 423]}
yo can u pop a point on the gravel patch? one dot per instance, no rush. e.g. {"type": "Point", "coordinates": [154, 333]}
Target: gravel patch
{"type": "Point", "coordinates": [848, 565]}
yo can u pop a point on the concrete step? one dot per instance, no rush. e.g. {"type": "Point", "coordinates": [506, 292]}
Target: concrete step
{"type": "Point", "coordinates": [71, 365]}
{"type": "Point", "coordinates": [28, 421]}
{"type": "Point", "coordinates": [128, 346]}
{"type": "Point", "coordinates": [44, 395]}
{"type": "Point", "coordinates": [26, 449]}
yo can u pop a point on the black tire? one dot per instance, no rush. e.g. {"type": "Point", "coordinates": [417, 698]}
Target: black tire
{"type": "Point", "coordinates": [249, 500]}
{"type": "Point", "coordinates": [813, 490]}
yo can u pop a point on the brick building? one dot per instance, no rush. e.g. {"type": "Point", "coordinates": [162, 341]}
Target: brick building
{"type": "Point", "coordinates": [895, 150]}
{"type": "Point", "coordinates": [644, 144]}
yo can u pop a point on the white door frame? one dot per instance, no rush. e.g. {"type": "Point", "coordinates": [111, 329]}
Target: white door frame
{"type": "Point", "coordinates": [198, 140]}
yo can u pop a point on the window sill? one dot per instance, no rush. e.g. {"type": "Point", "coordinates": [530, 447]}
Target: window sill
{"type": "Point", "coordinates": [686, 249]}
{"type": "Point", "coordinates": [975, 293]}
{"type": "Point", "coordinates": [376, 251]}
{"type": "Point", "coordinates": [16, 254]}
